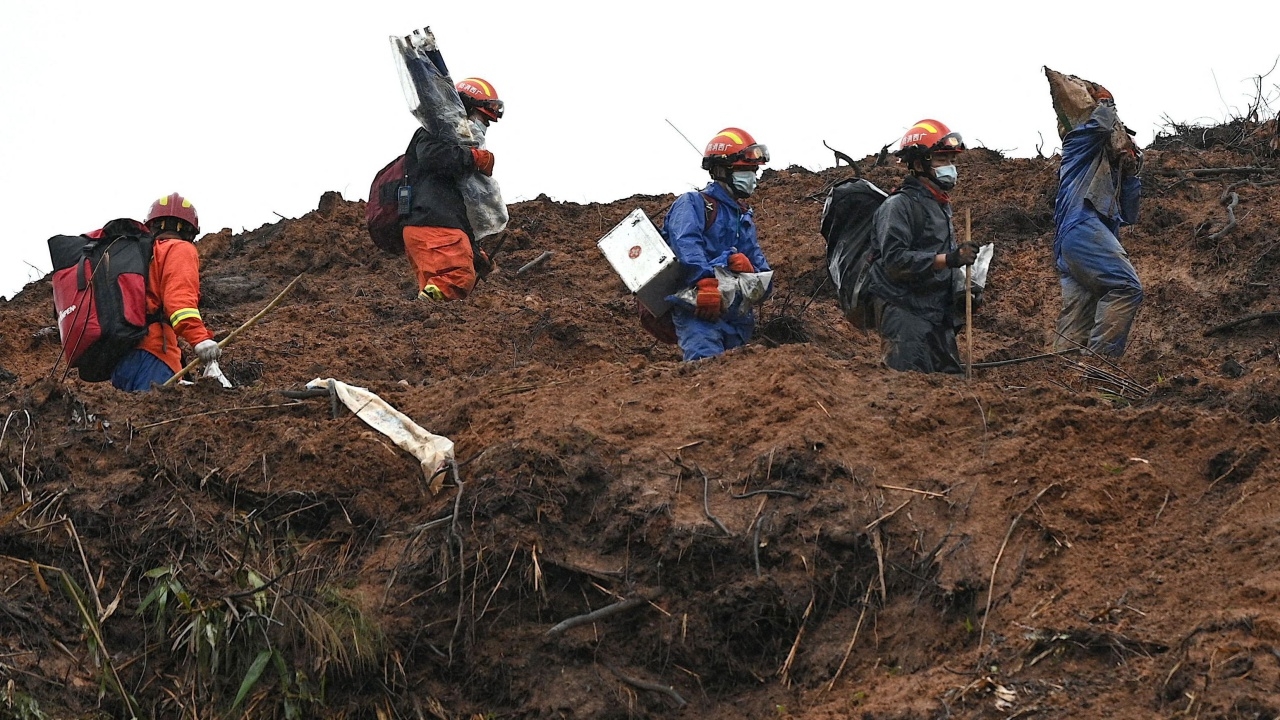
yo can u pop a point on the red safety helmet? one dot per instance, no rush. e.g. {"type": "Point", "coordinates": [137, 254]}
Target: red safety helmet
{"type": "Point", "coordinates": [734, 147]}
{"type": "Point", "coordinates": [479, 94]}
{"type": "Point", "coordinates": [926, 138]}
{"type": "Point", "coordinates": [173, 213]}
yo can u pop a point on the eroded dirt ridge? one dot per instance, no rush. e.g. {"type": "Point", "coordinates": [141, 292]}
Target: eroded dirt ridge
{"type": "Point", "coordinates": [787, 531]}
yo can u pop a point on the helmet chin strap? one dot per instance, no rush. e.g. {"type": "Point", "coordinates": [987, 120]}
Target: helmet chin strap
{"type": "Point", "coordinates": [724, 175]}
{"type": "Point", "coordinates": [926, 171]}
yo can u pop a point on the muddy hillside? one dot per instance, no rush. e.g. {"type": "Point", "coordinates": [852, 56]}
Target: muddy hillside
{"type": "Point", "coordinates": [789, 531]}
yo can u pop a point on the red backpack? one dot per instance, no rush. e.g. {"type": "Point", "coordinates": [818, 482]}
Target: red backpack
{"type": "Point", "coordinates": [390, 200]}
{"type": "Point", "coordinates": [100, 295]}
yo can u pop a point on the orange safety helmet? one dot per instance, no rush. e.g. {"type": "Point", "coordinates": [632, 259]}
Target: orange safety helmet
{"type": "Point", "coordinates": [734, 147]}
{"type": "Point", "coordinates": [926, 138]}
{"type": "Point", "coordinates": [479, 94]}
{"type": "Point", "coordinates": [173, 213]}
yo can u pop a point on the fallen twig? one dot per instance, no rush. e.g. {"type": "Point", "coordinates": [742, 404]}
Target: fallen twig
{"type": "Point", "coordinates": [770, 491]}
{"type": "Point", "coordinates": [872, 525]}
{"type": "Point", "coordinates": [706, 504]}
{"type": "Point", "coordinates": [651, 687]}
{"type": "Point", "coordinates": [1202, 172]}
{"type": "Point", "coordinates": [305, 394]}
{"type": "Point", "coordinates": [755, 543]}
{"type": "Point", "coordinates": [496, 587]}
{"type": "Point", "coordinates": [1029, 358]}
{"type": "Point", "coordinates": [785, 672]}
{"type": "Point", "coordinates": [877, 544]}
{"type": "Point", "coordinates": [1243, 456]}
{"type": "Point", "coordinates": [216, 412]}
{"type": "Point", "coordinates": [604, 612]}
{"type": "Point", "coordinates": [991, 586]}
{"type": "Point", "coordinates": [1230, 200]}
{"type": "Point", "coordinates": [546, 255]}
{"type": "Point", "coordinates": [913, 490]}
{"type": "Point", "coordinates": [857, 628]}
{"type": "Point", "coordinates": [456, 537]}
{"type": "Point", "coordinates": [1240, 321]}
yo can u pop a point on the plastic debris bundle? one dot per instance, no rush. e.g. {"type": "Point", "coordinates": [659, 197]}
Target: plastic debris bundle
{"type": "Point", "coordinates": [434, 101]}
{"type": "Point", "coordinates": [1073, 103]}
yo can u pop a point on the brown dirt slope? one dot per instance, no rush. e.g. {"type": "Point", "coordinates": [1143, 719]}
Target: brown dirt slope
{"type": "Point", "coordinates": [1048, 540]}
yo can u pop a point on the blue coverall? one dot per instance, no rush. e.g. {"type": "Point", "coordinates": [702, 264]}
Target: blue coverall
{"type": "Point", "coordinates": [1101, 292]}
{"type": "Point", "coordinates": [699, 249]}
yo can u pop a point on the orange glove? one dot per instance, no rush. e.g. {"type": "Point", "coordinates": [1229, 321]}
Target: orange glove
{"type": "Point", "coordinates": [484, 160]}
{"type": "Point", "coordinates": [739, 263]}
{"type": "Point", "coordinates": [708, 299]}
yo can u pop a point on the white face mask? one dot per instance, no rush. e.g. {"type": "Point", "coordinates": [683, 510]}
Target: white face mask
{"type": "Point", "coordinates": [743, 182]}
{"type": "Point", "coordinates": [945, 176]}
{"type": "Point", "coordinates": [478, 128]}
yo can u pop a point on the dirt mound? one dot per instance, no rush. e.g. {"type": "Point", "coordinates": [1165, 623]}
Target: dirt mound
{"type": "Point", "coordinates": [787, 531]}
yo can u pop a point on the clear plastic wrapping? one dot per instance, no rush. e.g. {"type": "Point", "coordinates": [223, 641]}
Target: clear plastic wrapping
{"type": "Point", "coordinates": [434, 101]}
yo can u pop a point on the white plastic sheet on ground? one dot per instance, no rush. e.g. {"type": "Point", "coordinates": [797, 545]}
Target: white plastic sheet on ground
{"type": "Point", "coordinates": [433, 451]}
{"type": "Point", "coordinates": [212, 370]}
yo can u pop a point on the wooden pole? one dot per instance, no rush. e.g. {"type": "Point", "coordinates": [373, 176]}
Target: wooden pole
{"type": "Point", "coordinates": [247, 324]}
{"type": "Point", "coordinates": [968, 302]}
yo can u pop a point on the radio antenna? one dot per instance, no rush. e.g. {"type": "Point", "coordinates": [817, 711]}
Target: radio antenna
{"type": "Point", "coordinates": [686, 139]}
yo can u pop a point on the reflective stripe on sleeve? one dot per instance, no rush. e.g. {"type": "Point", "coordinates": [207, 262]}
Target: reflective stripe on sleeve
{"type": "Point", "coordinates": [184, 314]}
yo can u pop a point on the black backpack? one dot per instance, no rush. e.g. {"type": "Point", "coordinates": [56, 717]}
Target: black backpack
{"type": "Point", "coordinates": [100, 295]}
{"type": "Point", "coordinates": [846, 224]}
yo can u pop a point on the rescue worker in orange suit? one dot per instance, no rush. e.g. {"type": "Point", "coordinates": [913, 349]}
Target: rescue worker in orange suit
{"type": "Point", "coordinates": [173, 300]}
{"type": "Point", "coordinates": [916, 252]}
{"type": "Point", "coordinates": [715, 227]}
{"type": "Point", "coordinates": [437, 236]}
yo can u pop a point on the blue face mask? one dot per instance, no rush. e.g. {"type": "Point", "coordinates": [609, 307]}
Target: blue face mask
{"type": "Point", "coordinates": [945, 176]}
{"type": "Point", "coordinates": [743, 182]}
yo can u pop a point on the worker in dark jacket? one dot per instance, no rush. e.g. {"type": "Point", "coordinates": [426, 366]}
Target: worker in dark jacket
{"type": "Point", "coordinates": [715, 228]}
{"type": "Point", "coordinates": [1098, 191]}
{"type": "Point", "coordinates": [437, 236]}
{"type": "Point", "coordinates": [916, 253]}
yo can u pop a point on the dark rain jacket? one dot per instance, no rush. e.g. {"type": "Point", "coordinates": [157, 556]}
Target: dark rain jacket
{"type": "Point", "coordinates": [434, 167]}
{"type": "Point", "coordinates": [910, 228]}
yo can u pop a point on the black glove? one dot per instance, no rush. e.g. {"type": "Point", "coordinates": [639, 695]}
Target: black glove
{"type": "Point", "coordinates": [966, 254]}
{"type": "Point", "coordinates": [958, 308]}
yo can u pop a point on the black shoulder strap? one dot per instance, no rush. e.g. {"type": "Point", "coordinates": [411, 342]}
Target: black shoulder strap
{"type": "Point", "coordinates": [917, 221]}
{"type": "Point", "coordinates": [712, 206]}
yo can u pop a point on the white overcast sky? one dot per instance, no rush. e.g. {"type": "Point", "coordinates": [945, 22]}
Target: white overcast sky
{"type": "Point", "coordinates": [250, 109]}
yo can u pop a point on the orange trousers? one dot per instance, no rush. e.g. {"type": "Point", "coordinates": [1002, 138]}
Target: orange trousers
{"type": "Point", "coordinates": [441, 257]}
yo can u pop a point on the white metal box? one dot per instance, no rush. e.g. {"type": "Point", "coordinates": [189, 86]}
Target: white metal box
{"type": "Point", "coordinates": [643, 260]}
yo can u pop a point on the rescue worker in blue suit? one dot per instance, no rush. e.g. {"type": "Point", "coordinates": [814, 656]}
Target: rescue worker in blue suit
{"type": "Point", "coordinates": [916, 253]}
{"type": "Point", "coordinates": [714, 228]}
{"type": "Point", "coordinates": [1098, 192]}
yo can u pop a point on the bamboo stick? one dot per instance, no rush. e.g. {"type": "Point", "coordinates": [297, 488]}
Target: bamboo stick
{"type": "Point", "coordinates": [247, 324]}
{"type": "Point", "coordinates": [968, 303]}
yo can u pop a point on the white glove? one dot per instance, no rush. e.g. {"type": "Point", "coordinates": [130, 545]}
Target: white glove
{"type": "Point", "coordinates": [208, 351]}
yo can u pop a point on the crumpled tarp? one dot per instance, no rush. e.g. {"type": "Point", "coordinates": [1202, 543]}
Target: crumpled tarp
{"type": "Point", "coordinates": [433, 451]}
